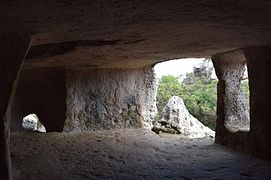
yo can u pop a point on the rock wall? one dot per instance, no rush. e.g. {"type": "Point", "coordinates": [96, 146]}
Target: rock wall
{"type": "Point", "coordinates": [259, 70]}
{"type": "Point", "coordinates": [40, 91]}
{"type": "Point", "coordinates": [110, 98]}
{"type": "Point", "coordinates": [13, 48]}
{"type": "Point", "coordinates": [230, 68]}
{"type": "Point", "coordinates": [256, 141]}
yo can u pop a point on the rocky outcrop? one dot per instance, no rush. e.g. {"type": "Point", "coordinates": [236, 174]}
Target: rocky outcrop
{"type": "Point", "coordinates": [110, 98]}
{"type": "Point", "coordinates": [31, 123]}
{"type": "Point", "coordinates": [175, 118]}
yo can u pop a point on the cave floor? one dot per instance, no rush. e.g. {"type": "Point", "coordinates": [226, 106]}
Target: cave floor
{"type": "Point", "coordinates": [127, 154]}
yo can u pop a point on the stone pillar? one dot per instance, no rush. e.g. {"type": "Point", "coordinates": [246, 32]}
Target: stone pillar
{"type": "Point", "coordinates": [232, 112]}
{"type": "Point", "coordinates": [259, 69]}
{"type": "Point", "coordinates": [110, 98]}
{"type": "Point", "coordinates": [13, 48]}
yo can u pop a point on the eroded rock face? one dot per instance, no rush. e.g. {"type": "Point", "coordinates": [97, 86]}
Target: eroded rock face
{"type": "Point", "coordinates": [230, 68]}
{"type": "Point", "coordinates": [110, 98]}
{"type": "Point", "coordinates": [175, 118]}
{"type": "Point", "coordinates": [136, 33]}
{"type": "Point", "coordinates": [31, 123]}
{"type": "Point", "coordinates": [13, 48]}
{"type": "Point", "coordinates": [236, 111]}
{"type": "Point", "coordinates": [259, 69]}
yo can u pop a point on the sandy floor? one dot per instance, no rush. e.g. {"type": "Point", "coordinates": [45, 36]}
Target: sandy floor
{"type": "Point", "coordinates": [128, 154]}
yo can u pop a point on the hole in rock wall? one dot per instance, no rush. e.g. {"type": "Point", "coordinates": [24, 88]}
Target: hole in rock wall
{"type": "Point", "coordinates": [31, 123]}
{"type": "Point", "coordinates": [41, 91]}
{"type": "Point", "coordinates": [186, 97]}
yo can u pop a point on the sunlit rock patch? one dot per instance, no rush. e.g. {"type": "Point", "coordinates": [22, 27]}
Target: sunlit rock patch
{"type": "Point", "coordinates": [176, 119]}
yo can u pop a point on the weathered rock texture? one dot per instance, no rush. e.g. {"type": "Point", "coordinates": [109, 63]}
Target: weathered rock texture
{"type": "Point", "coordinates": [132, 34]}
{"type": "Point", "coordinates": [41, 91]}
{"type": "Point", "coordinates": [118, 33]}
{"type": "Point", "coordinates": [175, 118]}
{"type": "Point", "coordinates": [31, 123]}
{"type": "Point", "coordinates": [122, 153]}
{"type": "Point", "coordinates": [232, 113]}
{"type": "Point", "coordinates": [259, 69]}
{"type": "Point", "coordinates": [110, 98]}
{"type": "Point", "coordinates": [230, 68]}
{"type": "Point", "coordinates": [13, 48]}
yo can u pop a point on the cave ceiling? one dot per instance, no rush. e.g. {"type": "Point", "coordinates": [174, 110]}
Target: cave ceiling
{"type": "Point", "coordinates": [136, 33]}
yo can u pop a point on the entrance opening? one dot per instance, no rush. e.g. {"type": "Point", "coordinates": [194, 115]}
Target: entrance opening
{"type": "Point", "coordinates": [186, 97]}
{"type": "Point", "coordinates": [41, 91]}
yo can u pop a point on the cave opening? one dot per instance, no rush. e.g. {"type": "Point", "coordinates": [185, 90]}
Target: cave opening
{"type": "Point", "coordinates": [41, 91]}
{"type": "Point", "coordinates": [186, 97]}
{"type": "Point", "coordinates": [194, 81]}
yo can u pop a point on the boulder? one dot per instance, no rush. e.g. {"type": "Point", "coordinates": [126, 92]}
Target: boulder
{"type": "Point", "coordinates": [175, 118]}
{"type": "Point", "coordinates": [31, 123]}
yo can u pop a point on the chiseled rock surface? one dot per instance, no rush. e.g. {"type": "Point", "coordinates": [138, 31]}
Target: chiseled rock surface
{"type": "Point", "coordinates": [175, 118]}
{"type": "Point", "coordinates": [31, 123]}
{"type": "Point", "coordinates": [109, 99]}
{"type": "Point", "coordinates": [117, 34]}
{"type": "Point", "coordinates": [230, 69]}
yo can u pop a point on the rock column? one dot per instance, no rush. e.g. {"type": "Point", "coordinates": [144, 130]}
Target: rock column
{"type": "Point", "coordinates": [13, 48]}
{"type": "Point", "coordinates": [232, 112]}
{"type": "Point", "coordinates": [259, 69]}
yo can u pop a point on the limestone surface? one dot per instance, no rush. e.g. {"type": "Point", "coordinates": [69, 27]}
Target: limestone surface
{"type": "Point", "coordinates": [121, 33]}
{"type": "Point", "coordinates": [128, 154]}
{"type": "Point", "coordinates": [175, 118]}
{"type": "Point", "coordinates": [109, 99]}
{"type": "Point", "coordinates": [31, 123]}
{"type": "Point", "coordinates": [230, 68]}
{"type": "Point", "coordinates": [258, 61]}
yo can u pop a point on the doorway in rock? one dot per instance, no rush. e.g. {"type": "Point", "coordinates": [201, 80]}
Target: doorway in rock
{"type": "Point", "coordinates": [189, 87]}
{"type": "Point", "coordinates": [41, 91]}
{"type": "Point", "coordinates": [186, 97]}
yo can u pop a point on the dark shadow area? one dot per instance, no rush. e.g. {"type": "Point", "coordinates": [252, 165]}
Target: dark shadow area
{"type": "Point", "coordinates": [41, 91]}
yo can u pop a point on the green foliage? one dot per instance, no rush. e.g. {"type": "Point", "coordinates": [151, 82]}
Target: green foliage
{"type": "Point", "coordinates": [200, 100]}
{"type": "Point", "coordinates": [245, 89]}
{"type": "Point", "coordinates": [198, 93]}
{"type": "Point", "coordinates": [168, 87]}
